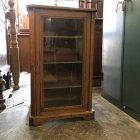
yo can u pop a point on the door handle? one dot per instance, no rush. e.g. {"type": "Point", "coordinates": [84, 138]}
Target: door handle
{"type": "Point", "coordinates": [123, 4]}
{"type": "Point", "coordinates": [118, 5]}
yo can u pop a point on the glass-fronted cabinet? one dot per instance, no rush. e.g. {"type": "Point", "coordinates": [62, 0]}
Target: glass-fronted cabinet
{"type": "Point", "coordinates": [61, 62]}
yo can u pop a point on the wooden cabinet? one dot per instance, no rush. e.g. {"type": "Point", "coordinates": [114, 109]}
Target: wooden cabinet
{"type": "Point", "coordinates": [97, 63]}
{"type": "Point", "coordinates": [62, 43]}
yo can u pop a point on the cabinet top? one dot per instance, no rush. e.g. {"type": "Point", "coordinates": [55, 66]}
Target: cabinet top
{"type": "Point", "coordinates": [60, 8]}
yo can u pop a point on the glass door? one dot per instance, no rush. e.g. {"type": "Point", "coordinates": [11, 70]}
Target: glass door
{"type": "Point", "coordinates": [62, 61]}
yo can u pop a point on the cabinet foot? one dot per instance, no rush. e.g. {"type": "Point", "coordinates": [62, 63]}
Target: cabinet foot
{"type": "Point", "coordinates": [16, 87]}
{"type": "Point", "coordinates": [36, 121]}
{"type": "Point", "coordinates": [89, 116]}
{"type": "Point", "coordinates": [2, 106]}
{"type": "Point", "coordinates": [39, 120]}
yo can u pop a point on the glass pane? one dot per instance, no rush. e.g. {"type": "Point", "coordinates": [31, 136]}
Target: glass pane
{"type": "Point", "coordinates": [62, 59]}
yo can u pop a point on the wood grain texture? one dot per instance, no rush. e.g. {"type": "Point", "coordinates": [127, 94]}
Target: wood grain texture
{"type": "Point", "coordinates": [24, 51]}
{"type": "Point", "coordinates": [97, 63]}
{"type": "Point", "coordinates": [14, 50]}
{"type": "Point", "coordinates": [39, 113]}
{"type": "Point", "coordinates": [60, 8]}
{"type": "Point", "coordinates": [39, 120]}
{"type": "Point", "coordinates": [25, 22]}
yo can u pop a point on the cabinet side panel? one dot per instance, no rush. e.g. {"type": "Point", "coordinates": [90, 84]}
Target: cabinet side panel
{"type": "Point", "coordinates": [92, 24]}
{"type": "Point", "coordinates": [32, 61]}
{"type": "Point", "coordinates": [86, 62]}
{"type": "Point", "coordinates": [38, 61]}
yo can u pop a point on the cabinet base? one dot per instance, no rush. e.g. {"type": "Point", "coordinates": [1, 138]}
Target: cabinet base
{"type": "Point", "coordinates": [2, 106]}
{"type": "Point", "coordinates": [39, 120]}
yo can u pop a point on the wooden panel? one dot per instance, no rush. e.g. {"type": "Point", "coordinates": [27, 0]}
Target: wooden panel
{"type": "Point", "coordinates": [23, 43]}
{"type": "Point", "coordinates": [97, 66]}
{"type": "Point", "coordinates": [100, 9]}
{"type": "Point", "coordinates": [25, 22]}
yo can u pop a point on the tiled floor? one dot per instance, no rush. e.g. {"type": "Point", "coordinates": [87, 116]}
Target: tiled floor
{"type": "Point", "coordinates": [110, 123]}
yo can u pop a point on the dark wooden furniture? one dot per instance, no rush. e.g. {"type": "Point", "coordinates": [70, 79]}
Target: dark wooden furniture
{"type": "Point", "coordinates": [61, 51]}
{"type": "Point", "coordinates": [8, 56]}
{"type": "Point", "coordinates": [98, 4]}
{"type": "Point", "coordinates": [14, 50]}
{"type": "Point", "coordinates": [24, 51]}
{"type": "Point", "coordinates": [97, 63]}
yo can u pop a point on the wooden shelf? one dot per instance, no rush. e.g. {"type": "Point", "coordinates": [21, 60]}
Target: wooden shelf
{"type": "Point", "coordinates": [99, 19]}
{"type": "Point", "coordinates": [60, 74]}
{"type": "Point", "coordinates": [62, 62]}
{"type": "Point", "coordinates": [61, 56]}
{"type": "Point", "coordinates": [61, 51]}
{"type": "Point", "coordinates": [62, 94]}
{"type": "Point", "coordinates": [60, 103]}
{"type": "Point", "coordinates": [62, 97]}
{"type": "Point", "coordinates": [62, 84]}
{"type": "Point", "coordinates": [76, 36]}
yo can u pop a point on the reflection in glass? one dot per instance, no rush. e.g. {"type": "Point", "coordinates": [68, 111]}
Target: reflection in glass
{"type": "Point", "coordinates": [62, 59]}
